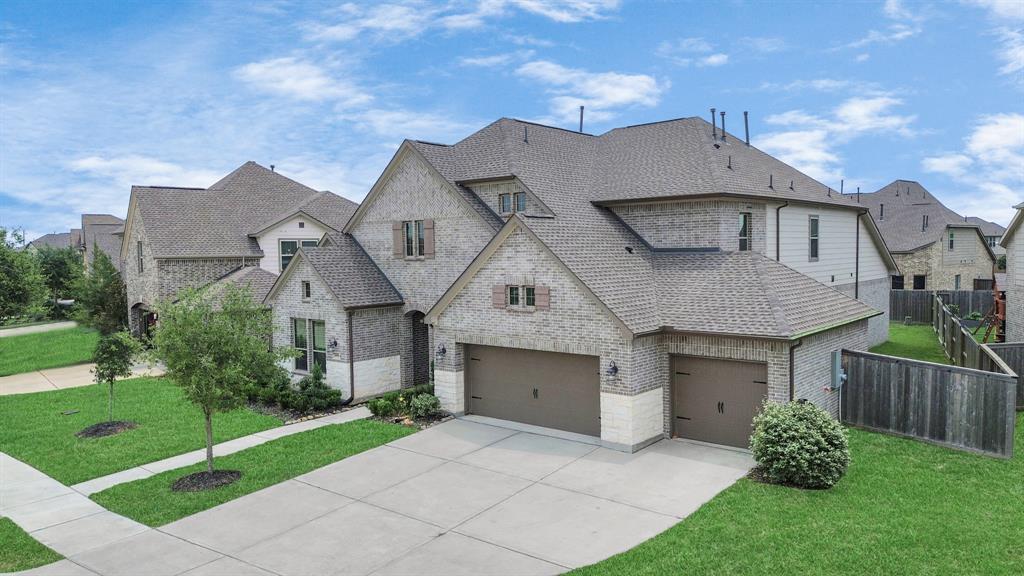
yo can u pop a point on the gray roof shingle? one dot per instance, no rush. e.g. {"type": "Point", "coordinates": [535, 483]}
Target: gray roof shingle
{"type": "Point", "coordinates": [906, 203]}
{"type": "Point", "coordinates": [54, 240]}
{"type": "Point", "coordinates": [256, 279]}
{"type": "Point", "coordinates": [103, 231]}
{"type": "Point", "coordinates": [350, 273]}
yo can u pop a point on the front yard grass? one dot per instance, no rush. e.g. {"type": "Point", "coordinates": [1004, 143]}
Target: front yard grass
{"type": "Point", "coordinates": [35, 431]}
{"type": "Point", "coordinates": [917, 341]}
{"type": "Point", "coordinates": [42, 350]}
{"type": "Point", "coordinates": [152, 502]}
{"type": "Point", "coordinates": [904, 507]}
{"type": "Point", "coordinates": [19, 551]}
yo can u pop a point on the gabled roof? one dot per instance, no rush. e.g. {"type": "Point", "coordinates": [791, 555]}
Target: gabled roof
{"type": "Point", "coordinates": [53, 240]}
{"type": "Point", "coordinates": [347, 270]}
{"type": "Point", "coordinates": [1018, 216]}
{"type": "Point", "coordinates": [103, 231]}
{"type": "Point", "coordinates": [906, 204]}
{"type": "Point", "coordinates": [256, 279]}
{"type": "Point", "coordinates": [216, 222]}
{"type": "Point", "coordinates": [988, 228]}
{"type": "Point", "coordinates": [326, 208]}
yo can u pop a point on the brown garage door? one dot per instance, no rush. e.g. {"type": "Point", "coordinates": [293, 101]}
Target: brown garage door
{"type": "Point", "coordinates": [541, 388]}
{"type": "Point", "coordinates": [715, 400]}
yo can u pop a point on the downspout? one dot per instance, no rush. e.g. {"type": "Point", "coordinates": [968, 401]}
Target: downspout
{"type": "Point", "coordinates": [792, 368]}
{"type": "Point", "coordinates": [351, 363]}
{"type": "Point", "coordinates": [778, 250]}
{"type": "Point", "coordinates": [856, 260]}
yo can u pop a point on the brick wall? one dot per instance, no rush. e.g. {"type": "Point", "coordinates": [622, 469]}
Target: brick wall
{"type": "Point", "coordinates": [813, 363]}
{"type": "Point", "coordinates": [695, 224]}
{"type": "Point", "coordinates": [141, 288]}
{"type": "Point", "coordinates": [1014, 291]}
{"type": "Point", "coordinates": [874, 293]}
{"type": "Point", "coordinates": [489, 192]}
{"type": "Point", "coordinates": [174, 275]}
{"type": "Point", "coordinates": [969, 259]}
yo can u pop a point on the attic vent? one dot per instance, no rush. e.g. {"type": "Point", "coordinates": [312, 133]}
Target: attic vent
{"type": "Point", "coordinates": [629, 249]}
{"type": "Point", "coordinates": [881, 213]}
{"type": "Point", "coordinates": [302, 224]}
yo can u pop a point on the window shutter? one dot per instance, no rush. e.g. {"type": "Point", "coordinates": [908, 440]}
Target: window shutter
{"type": "Point", "coordinates": [428, 238]}
{"type": "Point", "coordinates": [542, 297]}
{"type": "Point", "coordinates": [498, 296]}
{"type": "Point", "coordinates": [397, 245]}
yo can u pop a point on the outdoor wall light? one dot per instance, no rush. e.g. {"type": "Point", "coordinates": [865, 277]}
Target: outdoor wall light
{"type": "Point", "coordinates": [333, 344]}
{"type": "Point", "coordinates": [441, 351]}
{"type": "Point", "coordinates": [612, 369]}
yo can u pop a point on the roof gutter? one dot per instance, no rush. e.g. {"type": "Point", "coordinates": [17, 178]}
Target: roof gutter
{"type": "Point", "coordinates": [778, 230]}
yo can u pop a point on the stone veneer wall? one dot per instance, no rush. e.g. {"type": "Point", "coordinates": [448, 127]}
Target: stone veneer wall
{"type": "Point", "coordinates": [695, 224]}
{"type": "Point", "coordinates": [941, 266]}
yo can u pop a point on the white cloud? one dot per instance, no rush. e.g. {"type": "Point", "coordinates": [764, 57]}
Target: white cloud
{"type": "Point", "coordinates": [763, 44]}
{"type": "Point", "coordinates": [991, 166]}
{"type": "Point", "coordinates": [896, 10]}
{"type": "Point", "coordinates": [862, 57]}
{"type": "Point", "coordinates": [387, 21]}
{"type": "Point", "coordinates": [713, 60]}
{"type": "Point", "coordinates": [496, 59]}
{"type": "Point", "coordinates": [603, 93]}
{"type": "Point", "coordinates": [821, 85]}
{"type": "Point", "coordinates": [903, 24]}
{"type": "Point", "coordinates": [1002, 9]}
{"type": "Point", "coordinates": [399, 123]}
{"type": "Point", "coordinates": [1008, 17]}
{"type": "Point", "coordinates": [130, 170]}
{"type": "Point", "coordinates": [687, 51]}
{"type": "Point", "coordinates": [892, 34]}
{"type": "Point", "coordinates": [300, 79]}
{"type": "Point", "coordinates": [1011, 51]}
{"type": "Point", "coordinates": [567, 10]}
{"type": "Point", "coordinates": [807, 150]}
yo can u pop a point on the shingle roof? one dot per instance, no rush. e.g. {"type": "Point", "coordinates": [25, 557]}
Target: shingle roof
{"type": "Point", "coordinates": [102, 231]}
{"type": "Point", "coordinates": [570, 172]}
{"type": "Point", "coordinates": [256, 279]}
{"type": "Point", "coordinates": [906, 203]}
{"type": "Point", "coordinates": [350, 274]}
{"type": "Point", "coordinates": [327, 207]}
{"type": "Point", "coordinates": [988, 228]}
{"type": "Point", "coordinates": [763, 297]}
{"type": "Point", "coordinates": [55, 240]}
{"type": "Point", "coordinates": [216, 222]}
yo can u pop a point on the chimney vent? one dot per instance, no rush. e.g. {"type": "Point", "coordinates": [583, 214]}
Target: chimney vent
{"type": "Point", "coordinates": [842, 187]}
{"type": "Point", "coordinates": [526, 134]}
{"type": "Point", "coordinates": [730, 168]}
{"type": "Point", "coordinates": [272, 168]}
{"type": "Point", "coordinates": [581, 119]}
{"type": "Point", "coordinates": [790, 184]}
{"type": "Point", "coordinates": [746, 127]}
{"type": "Point", "coordinates": [714, 125]}
{"type": "Point", "coordinates": [723, 124]}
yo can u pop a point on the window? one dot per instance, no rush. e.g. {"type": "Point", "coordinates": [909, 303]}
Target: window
{"type": "Point", "coordinates": [745, 224]}
{"type": "Point", "coordinates": [306, 290]}
{"type": "Point", "coordinates": [505, 203]}
{"type": "Point", "coordinates": [303, 329]}
{"type": "Point", "coordinates": [919, 281]}
{"type": "Point", "coordinates": [301, 343]}
{"type": "Point", "coordinates": [290, 247]}
{"type": "Point", "coordinates": [812, 238]}
{"type": "Point", "coordinates": [414, 238]}
{"type": "Point", "coordinates": [530, 296]}
{"type": "Point", "coordinates": [520, 201]}
{"type": "Point", "coordinates": [897, 282]}
{"type": "Point", "coordinates": [138, 250]}
{"type": "Point", "coordinates": [992, 241]}
{"type": "Point", "coordinates": [956, 282]}
{"type": "Point", "coordinates": [950, 240]}
{"type": "Point", "coordinates": [513, 296]}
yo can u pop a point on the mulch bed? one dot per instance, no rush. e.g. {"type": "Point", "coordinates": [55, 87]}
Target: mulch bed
{"type": "Point", "coordinates": [291, 416]}
{"type": "Point", "coordinates": [205, 480]}
{"type": "Point", "coordinates": [106, 429]}
{"type": "Point", "coordinates": [420, 423]}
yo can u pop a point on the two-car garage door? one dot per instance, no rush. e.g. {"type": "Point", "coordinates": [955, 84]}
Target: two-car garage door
{"type": "Point", "coordinates": [547, 389]}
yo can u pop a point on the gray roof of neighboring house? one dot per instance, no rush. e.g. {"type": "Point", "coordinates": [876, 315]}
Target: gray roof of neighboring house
{"type": "Point", "coordinates": [350, 273]}
{"type": "Point", "coordinates": [987, 228]}
{"type": "Point", "coordinates": [906, 203]}
{"type": "Point", "coordinates": [217, 221]}
{"type": "Point", "coordinates": [103, 231]}
{"type": "Point", "coordinates": [571, 172]}
{"type": "Point", "coordinates": [256, 279]}
{"type": "Point", "coordinates": [54, 240]}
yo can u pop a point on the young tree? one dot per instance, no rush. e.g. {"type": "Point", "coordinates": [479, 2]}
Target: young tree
{"type": "Point", "coordinates": [211, 351]}
{"type": "Point", "coordinates": [113, 356]}
{"type": "Point", "coordinates": [62, 270]}
{"type": "Point", "coordinates": [22, 287]}
{"type": "Point", "coordinates": [103, 302]}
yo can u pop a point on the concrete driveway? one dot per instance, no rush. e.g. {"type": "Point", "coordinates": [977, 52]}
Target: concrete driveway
{"type": "Point", "coordinates": [459, 498]}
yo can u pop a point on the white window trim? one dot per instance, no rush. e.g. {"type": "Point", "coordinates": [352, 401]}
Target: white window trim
{"type": "Point", "coordinates": [522, 306]}
{"type": "Point", "coordinates": [418, 246]}
{"type": "Point", "coordinates": [811, 239]}
{"type": "Point", "coordinates": [307, 291]}
{"type": "Point", "coordinates": [298, 244]}
{"type": "Point", "coordinates": [750, 232]}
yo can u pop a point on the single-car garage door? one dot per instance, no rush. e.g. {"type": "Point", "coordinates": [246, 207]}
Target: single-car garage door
{"type": "Point", "coordinates": [541, 388]}
{"type": "Point", "coordinates": [716, 400]}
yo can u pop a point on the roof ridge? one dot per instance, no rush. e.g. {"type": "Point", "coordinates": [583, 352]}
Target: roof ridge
{"type": "Point", "coordinates": [773, 300]}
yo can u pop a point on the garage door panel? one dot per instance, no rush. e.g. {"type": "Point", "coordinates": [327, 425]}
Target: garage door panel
{"type": "Point", "coordinates": [716, 400]}
{"type": "Point", "coordinates": [540, 388]}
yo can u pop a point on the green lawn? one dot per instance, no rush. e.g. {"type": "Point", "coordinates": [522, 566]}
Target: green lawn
{"type": "Point", "coordinates": [19, 551]}
{"type": "Point", "coordinates": [152, 502]}
{"type": "Point", "coordinates": [904, 507]}
{"type": "Point", "coordinates": [35, 431]}
{"type": "Point", "coordinates": [915, 341]}
{"type": "Point", "coordinates": [30, 352]}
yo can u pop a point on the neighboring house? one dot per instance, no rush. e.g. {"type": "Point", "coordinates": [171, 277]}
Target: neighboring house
{"type": "Point", "coordinates": [101, 232]}
{"type": "Point", "coordinates": [992, 232]}
{"type": "Point", "coordinates": [189, 237]}
{"type": "Point", "coordinates": [935, 248]}
{"type": "Point", "coordinates": [72, 239]}
{"type": "Point", "coordinates": [655, 280]}
{"type": "Point", "coordinates": [1014, 282]}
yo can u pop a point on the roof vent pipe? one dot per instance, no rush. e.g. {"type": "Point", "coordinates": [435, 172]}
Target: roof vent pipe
{"type": "Point", "coordinates": [771, 181]}
{"type": "Point", "coordinates": [842, 187]}
{"type": "Point", "coordinates": [581, 119]}
{"type": "Point", "coordinates": [746, 127]}
{"type": "Point", "coordinates": [714, 125]}
{"type": "Point", "coordinates": [272, 168]}
{"type": "Point", "coordinates": [858, 194]}
{"type": "Point", "coordinates": [723, 124]}
{"type": "Point", "coordinates": [526, 134]}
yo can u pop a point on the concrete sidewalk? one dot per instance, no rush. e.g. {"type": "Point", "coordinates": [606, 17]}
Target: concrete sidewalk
{"type": "Point", "coordinates": [223, 449]}
{"type": "Point", "coordinates": [5, 332]}
{"type": "Point", "coordinates": [61, 378]}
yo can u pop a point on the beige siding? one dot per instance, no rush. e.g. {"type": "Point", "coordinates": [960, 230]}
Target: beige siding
{"type": "Point", "coordinates": [289, 230]}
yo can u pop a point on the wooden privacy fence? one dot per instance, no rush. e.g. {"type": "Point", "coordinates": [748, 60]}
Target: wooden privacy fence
{"type": "Point", "coordinates": [962, 408]}
{"type": "Point", "coordinates": [1012, 353]}
{"type": "Point", "coordinates": [959, 344]}
{"type": "Point", "coordinates": [919, 305]}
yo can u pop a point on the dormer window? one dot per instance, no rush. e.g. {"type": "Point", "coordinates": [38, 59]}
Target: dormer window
{"type": "Point", "coordinates": [745, 235]}
{"type": "Point", "coordinates": [505, 203]}
{"type": "Point", "coordinates": [509, 203]}
{"type": "Point", "coordinates": [520, 198]}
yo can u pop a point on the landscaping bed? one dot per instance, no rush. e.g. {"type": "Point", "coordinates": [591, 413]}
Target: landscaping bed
{"type": "Point", "coordinates": [19, 551]}
{"type": "Point", "coordinates": [36, 431]}
{"type": "Point", "coordinates": [904, 507]}
{"type": "Point", "coordinates": [153, 502]}
{"type": "Point", "coordinates": [30, 352]}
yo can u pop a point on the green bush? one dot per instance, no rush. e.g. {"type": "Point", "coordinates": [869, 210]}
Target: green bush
{"type": "Point", "coordinates": [424, 406]}
{"type": "Point", "coordinates": [799, 444]}
{"type": "Point", "coordinates": [398, 402]}
{"type": "Point", "coordinates": [312, 394]}
{"type": "Point", "coordinates": [381, 407]}
{"type": "Point", "coordinates": [316, 395]}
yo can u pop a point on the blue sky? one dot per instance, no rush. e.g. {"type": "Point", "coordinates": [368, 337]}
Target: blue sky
{"type": "Point", "coordinates": [95, 97]}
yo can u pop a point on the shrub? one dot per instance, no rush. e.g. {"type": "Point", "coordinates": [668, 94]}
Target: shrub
{"type": "Point", "coordinates": [424, 406]}
{"type": "Point", "coordinates": [316, 395]}
{"type": "Point", "coordinates": [381, 407]}
{"type": "Point", "coordinates": [799, 444]}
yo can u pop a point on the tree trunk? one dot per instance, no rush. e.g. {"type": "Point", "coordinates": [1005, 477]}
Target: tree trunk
{"type": "Point", "coordinates": [209, 442]}
{"type": "Point", "coordinates": [110, 403]}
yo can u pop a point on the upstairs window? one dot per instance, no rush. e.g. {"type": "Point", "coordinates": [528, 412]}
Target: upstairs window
{"type": "Point", "coordinates": [413, 238]}
{"type": "Point", "coordinates": [745, 235]}
{"type": "Point", "coordinates": [138, 251]}
{"type": "Point", "coordinates": [288, 248]}
{"type": "Point", "coordinates": [950, 240]}
{"type": "Point", "coordinates": [522, 296]}
{"type": "Point", "coordinates": [919, 281]}
{"type": "Point", "coordinates": [520, 198]}
{"type": "Point", "coordinates": [306, 290]}
{"type": "Point", "coordinates": [992, 241]}
{"type": "Point", "coordinates": [504, 203]}
{"type": "Point", "coordinates": [897, 282]}
{"type": "Point", "coordinates": [513, 296]}
{"type": "Point", "coordinates": [812, 238]}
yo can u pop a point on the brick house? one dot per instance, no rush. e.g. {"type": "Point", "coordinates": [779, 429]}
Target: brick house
{"type": "Point", "coordinates": [191, 237]}
{"type": "Point", "coordinates": [1014, 282]}
{"type": "Point", "coordinates": [101, 232]}
{"type": "Point", "coordinates": [934, 247]}
{"type": "Point", "coordinates": [654, 280]}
